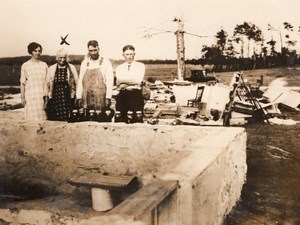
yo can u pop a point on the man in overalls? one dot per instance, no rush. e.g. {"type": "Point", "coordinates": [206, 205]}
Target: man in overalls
{"type": "Point", "coordinates": [95, 84]}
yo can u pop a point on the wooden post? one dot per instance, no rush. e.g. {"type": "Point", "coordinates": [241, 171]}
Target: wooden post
{"type": "Point", "coordinates": [180, 49]}
{"type": "Point", "coordinates": [280, 40]}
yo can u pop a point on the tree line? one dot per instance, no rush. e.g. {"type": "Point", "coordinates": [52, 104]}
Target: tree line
{"type": "Point", "coordinates": [74, 59]}
{"type": "Point", "coordinates": [233, 52]}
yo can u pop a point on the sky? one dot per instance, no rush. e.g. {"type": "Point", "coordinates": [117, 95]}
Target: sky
{"type": "Point", "coordinates": [146, 24]}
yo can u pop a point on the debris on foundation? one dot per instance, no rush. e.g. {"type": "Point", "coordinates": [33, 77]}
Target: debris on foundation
{"type": "Point", "coordinates": [200, 102]}
{"type": "Point", "coordinates": [215, 104]}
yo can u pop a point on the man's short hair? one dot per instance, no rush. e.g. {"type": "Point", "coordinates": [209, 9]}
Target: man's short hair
{"type": "Point", "coordinates": [128, 47]}
{"type": "Point", "coordinates": [32, 46]}
{"type": "Point", "coordinates": [93, 43]}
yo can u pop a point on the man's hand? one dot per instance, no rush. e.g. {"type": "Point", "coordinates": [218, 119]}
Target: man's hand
{"type": "Point", "coordinates": [122, 86]}
{"type": "Point", "coordinates": [107, 103]}
{"type": "Point", "coordinates": [79, 102]}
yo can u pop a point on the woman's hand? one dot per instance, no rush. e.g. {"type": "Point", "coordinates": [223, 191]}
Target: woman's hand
{"type": "Point", "coordinates": [46, 100]}
{"type": "Point", "coordinates": [23, 101]}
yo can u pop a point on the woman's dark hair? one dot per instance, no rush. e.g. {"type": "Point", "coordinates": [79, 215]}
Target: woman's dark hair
{"type": "Point", "coordinates": [32, 46]}
{"type": "Point", "coordinates": [93, 43]}
{"type": "Point", "coordinates": [128, 47]}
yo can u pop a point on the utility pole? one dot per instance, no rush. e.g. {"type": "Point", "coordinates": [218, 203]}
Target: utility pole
{"type": "Point", "coordinates": [180, 49]}
{"type": "Point", "coordinates": [280, 40]}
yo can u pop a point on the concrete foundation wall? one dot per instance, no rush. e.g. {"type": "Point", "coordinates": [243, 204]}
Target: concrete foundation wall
{"type": "Point", "coordinates": [211, 178]}
{"type": "Point", "coordinates": [208, 162]}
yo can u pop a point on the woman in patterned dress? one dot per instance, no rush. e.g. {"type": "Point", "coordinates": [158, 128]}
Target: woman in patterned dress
{"type": "Point", "coordinates": [60, 87]}
{"type": "Point", "coordinates": [33, 75]}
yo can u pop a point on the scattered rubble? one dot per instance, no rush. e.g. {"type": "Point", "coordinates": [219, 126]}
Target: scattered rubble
{"type": "Point", "coordinates": [9, 101]}
{"type": "Point", "coordinates": [215, 104]}
{"type": "Point", "coordinates": [209, 103]}
{"type": "Point", "coordinates": [278, 153]}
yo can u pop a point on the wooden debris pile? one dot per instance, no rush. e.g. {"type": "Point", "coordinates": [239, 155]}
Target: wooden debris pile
{"type": "Point", "coordinates": [214, 104]}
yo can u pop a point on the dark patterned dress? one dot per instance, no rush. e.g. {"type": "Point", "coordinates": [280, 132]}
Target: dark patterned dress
{"type": "Point", "coordinates": [60, 104]}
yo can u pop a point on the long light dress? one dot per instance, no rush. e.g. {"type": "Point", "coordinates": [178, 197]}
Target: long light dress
{"type": "Point", "coordinates": [33, 76]}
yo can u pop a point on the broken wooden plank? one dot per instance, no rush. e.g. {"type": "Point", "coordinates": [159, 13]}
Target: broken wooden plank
{"type": "Point", "coordinates": [184, 121]}
{"type": "Point", "coordinates": [279, 149]}
{"type": "Point", "coordinates": [104, 181]}
{"type": "Point", "coordinates": [157, 114]}
{"type": "Point", "coordinates": [243, 107]}
{"type": "Point", "coordinates": [146, 199]}
{"type": "Point", "coordinates": [234, 84]}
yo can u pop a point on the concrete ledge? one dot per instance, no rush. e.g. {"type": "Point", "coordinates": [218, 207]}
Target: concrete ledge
{"type": "Point", "coordinates": [208, 162]}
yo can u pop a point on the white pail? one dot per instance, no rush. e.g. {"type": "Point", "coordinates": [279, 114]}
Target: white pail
{"type": "Point", "coordinates": [102, 199]}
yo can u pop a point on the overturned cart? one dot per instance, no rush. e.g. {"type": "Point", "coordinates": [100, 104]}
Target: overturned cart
{"type": "Point", "coordinates": [163, 175]}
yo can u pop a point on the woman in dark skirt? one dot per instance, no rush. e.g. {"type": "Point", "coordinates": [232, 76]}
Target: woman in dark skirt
{"type": "Point", "coordinates": [60, 88]}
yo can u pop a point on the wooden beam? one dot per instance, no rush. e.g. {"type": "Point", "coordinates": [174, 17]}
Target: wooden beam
{"type": "Point", "coordinates": [146, 199]}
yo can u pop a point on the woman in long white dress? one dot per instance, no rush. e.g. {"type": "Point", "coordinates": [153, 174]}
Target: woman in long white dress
{"type": "Point", "coordinates": [33, 76]}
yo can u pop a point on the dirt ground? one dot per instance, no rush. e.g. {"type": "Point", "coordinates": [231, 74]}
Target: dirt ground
{"type": "Point", "coordinates": [271, 192]}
